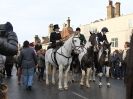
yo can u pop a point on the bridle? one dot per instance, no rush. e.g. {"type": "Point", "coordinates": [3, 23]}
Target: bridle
{"type": "Point", "coordinates": [74, 48]}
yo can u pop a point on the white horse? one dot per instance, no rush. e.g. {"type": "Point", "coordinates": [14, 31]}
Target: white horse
{"type": "Point", "coordinates": [86, 63]}
{"type": "Point", "coordinates": [64, 58]}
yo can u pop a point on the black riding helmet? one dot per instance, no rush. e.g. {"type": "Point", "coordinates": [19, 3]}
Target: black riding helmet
{"type": "Point", "coordinates": [104, 29]}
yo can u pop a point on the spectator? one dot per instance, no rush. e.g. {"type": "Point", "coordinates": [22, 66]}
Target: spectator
{"type": "Point", "coordinates": [124, 57]}
{"type": "Point", "coordinates": [41, 63]}
{"type": "Point", "coordinates": [28, 62]}
{"type": "Point", "coordinates": [115, 59]}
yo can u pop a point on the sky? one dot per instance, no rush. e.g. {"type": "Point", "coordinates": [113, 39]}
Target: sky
{"type": "Point", "coordinates": [32, 17]}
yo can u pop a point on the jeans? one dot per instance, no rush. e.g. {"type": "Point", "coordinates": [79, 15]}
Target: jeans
{"type": "Point", "coordinates": [28, 80]}
{"type": "Point", "coordinates": [28, 75]}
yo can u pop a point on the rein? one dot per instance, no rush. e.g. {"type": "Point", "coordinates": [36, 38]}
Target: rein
{"type": "Point", "coordinates": [68, 57]}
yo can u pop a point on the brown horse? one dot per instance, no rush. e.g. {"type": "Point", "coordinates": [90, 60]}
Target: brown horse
{"type": "Point", "coordinates": [129, 72]}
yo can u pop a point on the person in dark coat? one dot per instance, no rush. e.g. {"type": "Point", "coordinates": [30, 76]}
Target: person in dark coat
{"type": "Point", "coordinates": [81, 36]}
{"type": "Point", "coordinates": [129, 70]}
{"type": "Point", "coordinates": [125, 57]}
{"type": "Point", "coordinates": [75, 61]}
{"type": "Point", "coordinates": [28, 62]}
{"type": "Point", "coordinates": [41, 63]}
{"type": "Point", "coordinates": [38, 46]}
{"type": "Point", "coordinates": [102, 35]}
{"type": "Point", "coordinates": [9, 65]}
{"type": "Point", "coordinates": [8, 46]}
{"type": "Point", "coordinates": [55, 37]}
{"type": "Point", "coordinates": [8, 40]}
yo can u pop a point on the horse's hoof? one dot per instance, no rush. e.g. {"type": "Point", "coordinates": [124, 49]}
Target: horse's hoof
{"type": "Point", "coordinates": [100, 85]}
{"type": "Point", "coordinates": [108, 85]}
{"type": "Point", "coordinates": [94, 80]}
{"type": "Point", "coordinates": [73, 81]}
{"type": "Point", "coordinates": [90, 80]}
{"type": "Point", "coordinates": [66, 88]}
{"type": "Point", "coordinates": [88, 86]}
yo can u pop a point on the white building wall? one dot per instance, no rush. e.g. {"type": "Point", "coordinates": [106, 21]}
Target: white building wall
{"type": "Point", "coordinates": [119, 27]}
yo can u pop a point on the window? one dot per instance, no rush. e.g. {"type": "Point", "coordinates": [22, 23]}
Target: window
{"type": "Point", "coordinates": [114, 42]}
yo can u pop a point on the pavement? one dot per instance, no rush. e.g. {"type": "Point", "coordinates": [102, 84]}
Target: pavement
{"type": "Point", "coordinates": [75, 91]}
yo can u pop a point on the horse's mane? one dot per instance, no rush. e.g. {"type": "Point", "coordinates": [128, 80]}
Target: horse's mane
{"type": "Point", "coordinates": [130, 58]}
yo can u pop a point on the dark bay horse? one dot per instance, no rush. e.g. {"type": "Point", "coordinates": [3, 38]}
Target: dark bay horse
{"type": "Point", "coordinates": [101, 57]}
{"type": "Point", "coordinates": [104, 61]}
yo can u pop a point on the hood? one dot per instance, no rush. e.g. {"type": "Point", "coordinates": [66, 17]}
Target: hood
{"type": "Point", "coordinates": [8, 27]}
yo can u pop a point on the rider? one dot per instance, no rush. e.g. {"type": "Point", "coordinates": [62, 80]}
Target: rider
{"type": "Point", "coordinates": [55, 39]}
{"type": "Point", "coordinates": [81, 36]}
{"type": "Point", "coordinates": [102, 35]}
{"type": "Point", "coordinates": [75, 60]}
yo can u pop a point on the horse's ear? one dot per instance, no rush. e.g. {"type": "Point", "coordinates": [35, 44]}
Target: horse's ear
{"type": "Point", "coordinates": [90, 33]}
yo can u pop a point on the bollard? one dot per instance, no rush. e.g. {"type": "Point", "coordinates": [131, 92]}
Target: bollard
{"type": "Point", "coordinates": [3, 91]}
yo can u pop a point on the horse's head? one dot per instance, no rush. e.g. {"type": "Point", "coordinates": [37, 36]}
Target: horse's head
{"type": "Point", "coordinates": [76, 43]}
{"type": "Point", "coordinates": [94, 41]}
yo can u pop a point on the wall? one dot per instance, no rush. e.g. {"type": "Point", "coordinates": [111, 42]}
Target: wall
{"type": "Point", "coordinates": [119, 27]}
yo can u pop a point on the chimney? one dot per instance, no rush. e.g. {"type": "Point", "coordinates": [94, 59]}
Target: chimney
{"type": "Point", "coordinates": [50, 28]}
{"type": "Point", "coordinates": [37, 39]}
{"type": "Point", "coordinates": [110, 10]}
{"type": "Point", "coordinates": [110, 2]}
{"type": "Point", "coordinates": [68, 22]}
{"type": "Point", "coordinates": [117, 9]}
{"type": "Point", "coordinates": [64, 25]}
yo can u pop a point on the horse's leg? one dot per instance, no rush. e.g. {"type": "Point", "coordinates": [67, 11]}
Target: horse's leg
{"type": "Point", "coordinates": [60, 77]}
{"type": "Point", "coordinates": [65, 78]}
{"type": "Point", "coordinates": [100, 74]}
{"type": "Point", "coordinates": [100, 79]}
{"type": "Point", "coordinates": [47, 73]}
{"type": "Point", "coordinates": [53, 75]}
{"type": "Point", "coordinates": [87, 77]}
{"type": "Point", "coordinates": [107, 76]}
{"type": "Point", "coordinates": [82, 78]}
{"type": "Point", "coordinates": [69, 77]}
{"type": "Point", "coordinates": [94, 74]}
{"type": "Point", "coordinates": [73, 75]}
{"type": "Point", "coordinates": [91, 75]}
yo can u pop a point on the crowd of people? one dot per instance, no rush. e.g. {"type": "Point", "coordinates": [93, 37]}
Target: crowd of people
{"type": "Point", "coordinates": [32, 56]}
{"type": "Point", "coordinates": [119, 62]}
